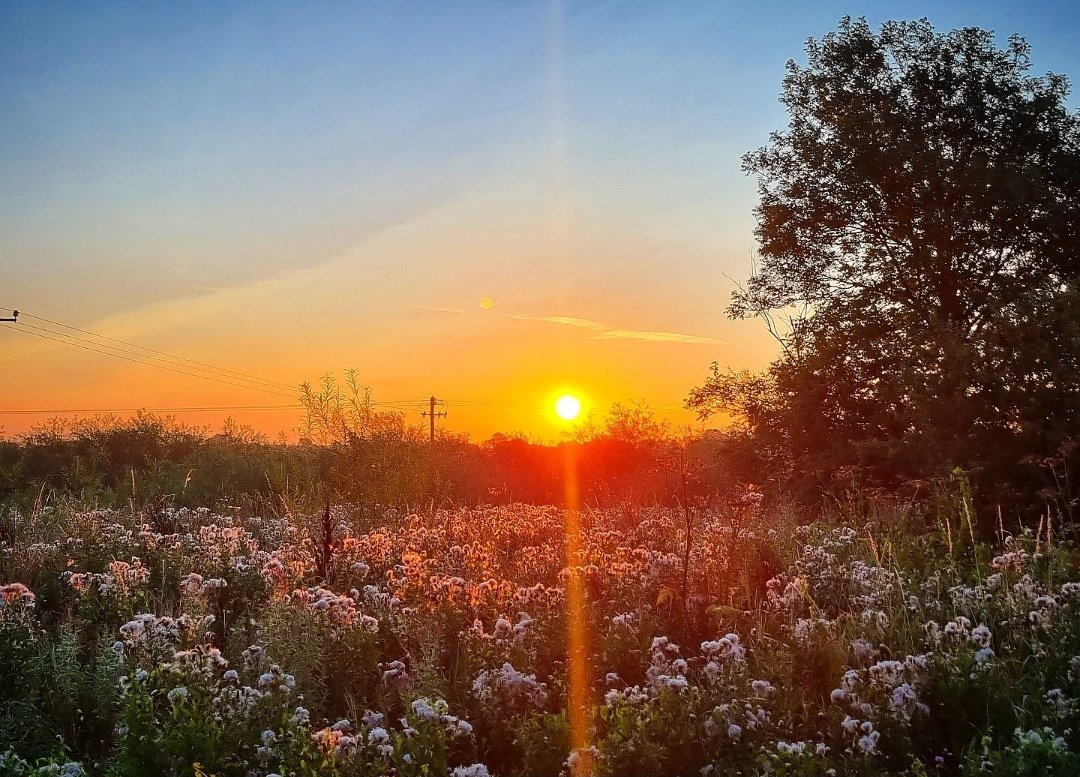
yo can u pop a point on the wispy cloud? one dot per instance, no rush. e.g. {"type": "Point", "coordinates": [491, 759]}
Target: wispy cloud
{"type": "Point", "coordinates": [609, 333]}
{"type": "Point", "coordinates": [584, 323]}
{"type": "Point", "coordinates": [438, 309]}
{"type": "Point", "coordinates": [654, 337]}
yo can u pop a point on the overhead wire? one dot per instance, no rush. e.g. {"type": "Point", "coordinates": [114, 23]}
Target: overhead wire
{"type": "Point", "coordinates": [18, 328]}
{"type": "Point", "coordinates": [201, 366]}
{"type": "Point", "coordinates": [150, 357]}
{"type": "Point", "coordinates": [151, 361]}
{"type": "Point", "coordinates": [152, 409]}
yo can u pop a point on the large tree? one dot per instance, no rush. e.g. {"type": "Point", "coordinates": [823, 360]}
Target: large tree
{"type": "Point", "coordinates": [919, 228]}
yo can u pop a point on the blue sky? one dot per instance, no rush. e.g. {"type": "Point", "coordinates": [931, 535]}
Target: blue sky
{"type": "Point", "coordinates": [383, 159]}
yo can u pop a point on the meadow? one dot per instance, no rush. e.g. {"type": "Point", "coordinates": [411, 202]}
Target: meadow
{"type": "Point", "coordinates": [861, 562]}
{"type": "Point", "coordinates": [736, 638]}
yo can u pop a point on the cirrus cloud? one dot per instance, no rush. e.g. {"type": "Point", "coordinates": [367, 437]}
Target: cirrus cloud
{"type": "Point", "coordinates": [615, 333]}
{"type": "Point", "coordinates": [646, 336]}
{"type": "Point", "coordinates": [584, 323]}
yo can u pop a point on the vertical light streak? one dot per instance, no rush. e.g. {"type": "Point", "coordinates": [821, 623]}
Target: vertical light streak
{"type": "Point", "coordinates": [577, 624]}
{"type": "Point", "coordinates": [557, 155]}
{"type": "Point", "coordinates": [577, 637]}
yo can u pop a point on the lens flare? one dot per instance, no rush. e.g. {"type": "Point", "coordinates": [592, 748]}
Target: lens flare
{"type": "Point", "coordinates": [577, 628]}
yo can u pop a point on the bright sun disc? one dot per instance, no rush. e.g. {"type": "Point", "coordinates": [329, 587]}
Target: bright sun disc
{"type": "Point", "coordinates": [567, 407]}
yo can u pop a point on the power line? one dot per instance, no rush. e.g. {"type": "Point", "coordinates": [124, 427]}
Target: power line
{"type": "Point", "coordinates": [143, 359]}
{"type": "Point", "coordinates": [415, 407]}
{"type": "Point", "coordinates": [204, 366]}
{"type": "Point", "coordinates": [187, 409]}
{"type": "Point", "coordinates": [204, 371]}
{"type": "Point", "coordinates": [432, 415]}
{"type": "Point", "coordinates": [18, 328]}
{"type": "Point", "coordinates": [153, 409]}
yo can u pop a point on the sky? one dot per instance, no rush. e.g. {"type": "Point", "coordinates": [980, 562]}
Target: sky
{"type": "Point", "coordinates": [286, 190]}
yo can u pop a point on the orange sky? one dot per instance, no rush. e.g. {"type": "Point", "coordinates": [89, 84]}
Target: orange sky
{"type": "Point", "coordinates": [554, 324]}
{"type": "Point", "coordinates": [290, 190]}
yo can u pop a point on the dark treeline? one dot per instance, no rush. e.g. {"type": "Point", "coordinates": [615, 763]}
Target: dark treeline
{"type": "Point", "coordinates": [375, 459]}
{"type": "Point", "coordinates": [919, 265]}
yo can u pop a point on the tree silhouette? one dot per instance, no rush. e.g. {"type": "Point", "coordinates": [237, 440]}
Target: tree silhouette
{"type": "Point", "coordinates": [919, 224]}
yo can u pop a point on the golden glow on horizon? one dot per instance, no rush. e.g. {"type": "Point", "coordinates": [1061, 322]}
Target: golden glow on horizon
{"type": "Point", "coordinates": [568, 407]}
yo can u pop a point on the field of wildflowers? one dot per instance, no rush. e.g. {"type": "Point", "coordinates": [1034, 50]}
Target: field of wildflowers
{"type": "Point", "coordinates": [729, 640]}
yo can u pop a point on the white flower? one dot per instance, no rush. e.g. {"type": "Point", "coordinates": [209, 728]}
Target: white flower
{"type": "Point", "coordinates": [422, 709]}
{"type": "Point", "coordinates": [1061, 702]}
{"type": "Point", "coordinates": [868, 743]}
{"type": "Point", "coordinates": [728, 647]}
{"type": "Point", "coordinates": [888, 674]}
{"type": "Point", "coordinates": [509, 686]}
{"type": "Point", "coordinates": [980, 635]}
{"type": "Point", "coordinates": [675, 683]}
{"type": "Point", "coordinates": [863, 650]}
{"type": "Point", "coordinates": [1031, 737]}
{"type": "Point", "coordinates": [763, 687]}
{"type": "Point", "coordinates": [904, 701]}
{"type": "Point", "coordinates": [474, 770]}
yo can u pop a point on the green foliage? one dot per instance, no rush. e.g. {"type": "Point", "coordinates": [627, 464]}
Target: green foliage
{"type": "Point", "coordinates": [57, 689]}
{"type": "Point", "coordinates": [11, 765]}
{"type": "Point", "coordinates": [183, 719]}
{"type": "Point", "coordinates": [350, 451]}
{"type": "Point", "coordinates": [543, 740]}
{"type": "Point", "coordinates": [1033, 753]}
{"type": "Point", "coordinates": [636, 738]}
{"type": "Point", "coordinates": [917, 223]}
{"type": "Point", "coordinates": [338, 665]}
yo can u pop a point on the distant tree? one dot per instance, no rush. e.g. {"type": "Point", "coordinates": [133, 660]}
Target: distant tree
{"type": "Point", "coordinates": [919, 231]}
{"type": "Point", "coordinates": [635, 424]}
{"type": "Point", "coordinates": [371, 456]}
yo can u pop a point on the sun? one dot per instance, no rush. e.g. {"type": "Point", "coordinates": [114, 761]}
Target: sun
{"type": "Point", "coordinates": [567, 407]}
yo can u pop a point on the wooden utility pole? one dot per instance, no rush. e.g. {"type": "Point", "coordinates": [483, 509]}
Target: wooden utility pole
{"type": "Point", "coordinates": [432, 415]}
{"type": "Point", "coordinates": [14, 318]}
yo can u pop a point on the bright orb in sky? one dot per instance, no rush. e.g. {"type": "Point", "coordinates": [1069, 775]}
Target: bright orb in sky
{"type": "Point", "coordinates": [486, 303]}
{"type": "Point", "coordinates": [567, 407]}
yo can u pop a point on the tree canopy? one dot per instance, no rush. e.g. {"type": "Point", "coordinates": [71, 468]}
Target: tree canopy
{"type": "Point", "coordinates": [919, 233]}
